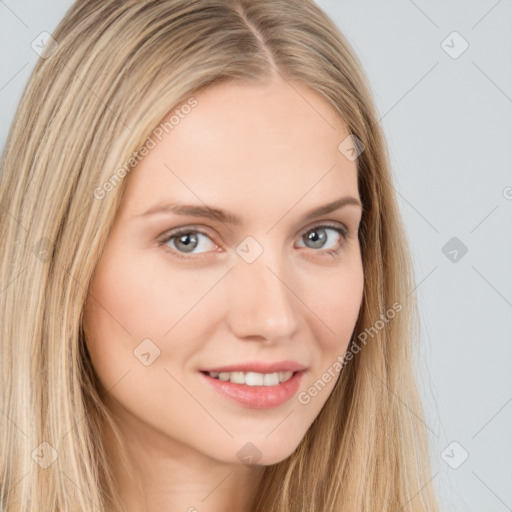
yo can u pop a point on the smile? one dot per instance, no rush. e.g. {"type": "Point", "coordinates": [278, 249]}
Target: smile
{"type": "Point", "coordinates": [254, 390]}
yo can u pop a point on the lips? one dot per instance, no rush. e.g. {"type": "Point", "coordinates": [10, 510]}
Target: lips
{"type": "Point", "coordinates": [255, 397]}
{"type": "Point", "coordinates": [257, 384]}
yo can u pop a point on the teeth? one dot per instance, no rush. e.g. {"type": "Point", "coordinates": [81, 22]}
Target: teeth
{"type": "Point", "coordinates": [237, 377]}
{"type": "Point", "coordinates": [269, 379]}
{"type": "Point", "coordinates": [252, 378]}
{"type": "Point", "coordinates": [284, 376]}
{"type": "Point", "coordinates": [255, 379]}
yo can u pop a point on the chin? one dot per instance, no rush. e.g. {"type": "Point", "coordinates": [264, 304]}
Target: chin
{"type": "Point", "coordinates": [263, 453]}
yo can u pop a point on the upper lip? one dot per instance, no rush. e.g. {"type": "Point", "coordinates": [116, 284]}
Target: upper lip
{"type": "Point", "coordinates": [259, 367]}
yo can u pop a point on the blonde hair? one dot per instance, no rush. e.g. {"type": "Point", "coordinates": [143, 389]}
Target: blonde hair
{"type": "Point", "coordinates": [90, 104]}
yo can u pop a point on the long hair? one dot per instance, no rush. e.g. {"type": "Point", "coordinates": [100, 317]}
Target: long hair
{"type": "Point", "coordinates": [111, 73]}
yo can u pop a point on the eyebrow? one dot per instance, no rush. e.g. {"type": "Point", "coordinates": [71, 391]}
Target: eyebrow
{"type": "Point", "coordinates": [230, 218]}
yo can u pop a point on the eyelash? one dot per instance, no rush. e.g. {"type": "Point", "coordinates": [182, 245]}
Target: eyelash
{"type": "Point", "coordinates": [183, 231]}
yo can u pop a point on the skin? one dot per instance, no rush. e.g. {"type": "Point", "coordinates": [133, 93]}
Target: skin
{"type": "Point", "coordinates": [269, 154]}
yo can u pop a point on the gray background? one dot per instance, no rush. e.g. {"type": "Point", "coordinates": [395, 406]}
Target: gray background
{"type": "Point", "coordinates": [448, 123]}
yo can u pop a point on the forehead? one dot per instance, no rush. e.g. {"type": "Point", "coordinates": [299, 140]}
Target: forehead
{"type": "Point", "coordinates": [247, 144]}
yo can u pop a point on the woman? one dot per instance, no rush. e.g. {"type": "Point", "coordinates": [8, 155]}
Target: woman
{"type": "Point", "coordinates": [270, 370]}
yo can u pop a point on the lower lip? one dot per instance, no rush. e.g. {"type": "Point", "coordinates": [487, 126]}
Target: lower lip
{"type": "Point", "coordinates": [257, 397]}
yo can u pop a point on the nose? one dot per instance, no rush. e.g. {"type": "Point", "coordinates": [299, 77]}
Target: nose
{"type": "Point", "coordinates": [262, 302]}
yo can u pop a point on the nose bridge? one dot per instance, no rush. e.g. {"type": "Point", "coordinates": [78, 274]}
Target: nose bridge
{"type": "Point", "coordinates": [262, 303]}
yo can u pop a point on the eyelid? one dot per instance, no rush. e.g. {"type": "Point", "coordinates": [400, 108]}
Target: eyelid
{"type": "Point", "coordinates": [324, 223]}
{"type": "Point", "coordinates": [165, 237]}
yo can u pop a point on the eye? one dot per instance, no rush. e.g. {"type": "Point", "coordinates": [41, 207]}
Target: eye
{"type": "Point", "coordinates": [186, 240]}
{"type": "Point", "coordinates": [319, 235]}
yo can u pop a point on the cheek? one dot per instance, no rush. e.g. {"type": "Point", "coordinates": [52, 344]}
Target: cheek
{"type": "Point", "coordinates": [335, 307]}
{"type": "Point", "coordinates": [134, 299]}
{"type": "Point", "coordinates": [141, 296]}
{"type": "Point", "coordinates": [131, 308]}
{"type": "Point", "coordinates": [337, 304]}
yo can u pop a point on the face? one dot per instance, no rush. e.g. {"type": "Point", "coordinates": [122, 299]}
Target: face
{"type": "Point", "coordinates": [263, 295]}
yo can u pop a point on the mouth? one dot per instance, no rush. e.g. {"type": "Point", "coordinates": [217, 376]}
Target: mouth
{"type": "Point", "coordinates": [255, 389]}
